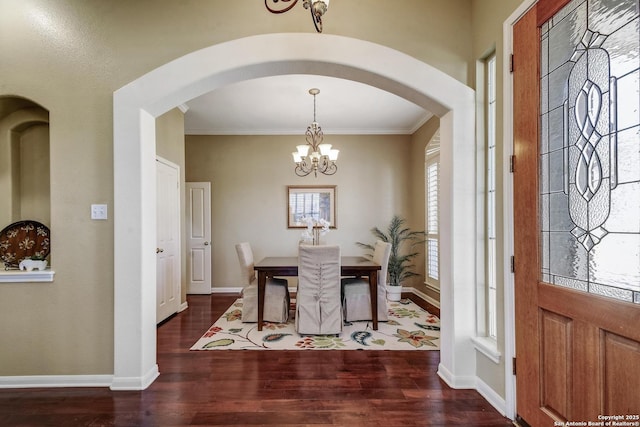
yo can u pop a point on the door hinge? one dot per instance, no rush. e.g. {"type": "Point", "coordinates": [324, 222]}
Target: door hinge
{"type": "Point", "coordinates": [513, 264]}
{"type": "Point", "coordinates": [511, 63]}
{"type": "Point", "coordinates": [513, 365]}
{"type": "Point", "coordinates": [512, 163]}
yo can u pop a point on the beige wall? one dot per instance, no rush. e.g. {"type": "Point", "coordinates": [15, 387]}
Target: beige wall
{"type": "Point", "coordinates": [70, 56]}
{"type": "Point", "coordinates": [249, 176]}
{"type": "Point", "coordinates": [488, 17]}
{"type": "Point", "coordinates": [34, 174]}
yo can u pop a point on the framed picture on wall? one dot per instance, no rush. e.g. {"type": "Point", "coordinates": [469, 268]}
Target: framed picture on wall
{"type": "Point", "coordinates": [315, 201]}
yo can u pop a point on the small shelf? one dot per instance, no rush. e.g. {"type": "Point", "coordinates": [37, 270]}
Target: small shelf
{"type": "Point", "coordinates": [21, 276]}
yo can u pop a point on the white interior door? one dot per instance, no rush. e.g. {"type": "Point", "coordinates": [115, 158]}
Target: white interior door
{"type": "Point", "coordinates": [168, 239]}
{"type": "Point", "coordinates": [198, 224]}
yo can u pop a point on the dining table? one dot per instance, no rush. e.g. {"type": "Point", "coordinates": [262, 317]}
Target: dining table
{"type": "Point", "coordinates": [350, 266]}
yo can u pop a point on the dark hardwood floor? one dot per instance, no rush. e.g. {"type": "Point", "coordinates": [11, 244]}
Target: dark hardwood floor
{"type": "Point", "coordinates": [248, 388]}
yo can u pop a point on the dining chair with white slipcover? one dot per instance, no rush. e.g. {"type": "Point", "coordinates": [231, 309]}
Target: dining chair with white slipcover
{"type": "Point", "coordinates": [356, 301]}
{"type": "Point", "coordinates": [318, 305]}
{"type": "Point", "coordinates": [276, 298]}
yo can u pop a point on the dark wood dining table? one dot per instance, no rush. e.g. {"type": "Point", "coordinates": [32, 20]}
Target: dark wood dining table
{"type": "Point", "coordinates": [351, 266]}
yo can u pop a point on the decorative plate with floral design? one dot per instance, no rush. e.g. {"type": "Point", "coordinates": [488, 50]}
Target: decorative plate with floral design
{"type": "Point", "coordinates": [24, 240]}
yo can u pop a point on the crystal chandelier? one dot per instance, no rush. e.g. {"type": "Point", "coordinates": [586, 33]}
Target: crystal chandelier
{"type": "Point", "coordinates": [314, 156]}
{"type": "Point", "coordinates": [317, 8]}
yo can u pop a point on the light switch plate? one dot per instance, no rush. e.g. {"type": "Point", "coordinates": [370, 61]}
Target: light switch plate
{"type": "Point", "coordinates": [98, 211]}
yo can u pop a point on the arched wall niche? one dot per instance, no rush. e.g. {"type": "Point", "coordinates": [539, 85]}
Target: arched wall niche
{"type": "Point", "coordinates": [24, 161]}
{"type": "Point", "coordinates": [137, 104]}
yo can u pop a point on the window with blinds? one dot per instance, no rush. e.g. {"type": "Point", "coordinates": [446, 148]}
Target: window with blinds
{"type": "Point", "coordinates": [491, 256]}
{"type": "Point", "coordinates": [432, 164]}
{"type": "Point", "coordinates": [432, 221]}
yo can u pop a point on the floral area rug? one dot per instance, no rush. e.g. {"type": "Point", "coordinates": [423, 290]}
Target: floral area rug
{"type": "Point", "coordinates": [409, 328]}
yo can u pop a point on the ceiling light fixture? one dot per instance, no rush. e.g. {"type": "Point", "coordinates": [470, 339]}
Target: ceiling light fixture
{"type": "Point", "coordinates": [317, 8]}
{"type": "Point", "coordinates": [322, 158]}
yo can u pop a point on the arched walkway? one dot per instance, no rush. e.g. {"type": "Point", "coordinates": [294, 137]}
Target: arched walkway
{"type": "Point", "coordinates": [137, 104]}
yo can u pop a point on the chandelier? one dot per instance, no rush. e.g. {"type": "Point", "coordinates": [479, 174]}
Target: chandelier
{"type": "Point", "coordinates": [314, 156]}
{"type": "Point", "coordinates": [317, 8]}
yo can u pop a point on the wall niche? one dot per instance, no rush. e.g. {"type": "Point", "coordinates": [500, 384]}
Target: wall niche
{"type": "Point", "coordinates": [24, 161]}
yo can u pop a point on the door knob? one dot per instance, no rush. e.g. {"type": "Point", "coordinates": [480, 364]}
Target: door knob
{"type": "Point", "coordinates": [206, 243]}
{"type": "Point", "coordinates": [158, 250]}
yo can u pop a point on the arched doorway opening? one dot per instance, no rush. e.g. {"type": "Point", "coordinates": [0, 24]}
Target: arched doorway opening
{"type": "Point", "coordinates": [137, 104]}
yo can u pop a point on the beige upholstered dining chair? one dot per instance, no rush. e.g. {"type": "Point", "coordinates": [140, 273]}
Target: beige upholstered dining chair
{"type": "Point", "coordinates": [356, 302]}
{"type": "Point", "coordinates": [318, 306]}
{"type": "Point", "coordinates": [276, 298]}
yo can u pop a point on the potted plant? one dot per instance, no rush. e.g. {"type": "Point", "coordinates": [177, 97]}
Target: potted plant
{"type": "Point", "coordinates": [403, 242]}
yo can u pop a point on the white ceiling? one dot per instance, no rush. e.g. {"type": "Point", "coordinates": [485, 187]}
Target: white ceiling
{"type": "Point", "coordinates": [282, 105]}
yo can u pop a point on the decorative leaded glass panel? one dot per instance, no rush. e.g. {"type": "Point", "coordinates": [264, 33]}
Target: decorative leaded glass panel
{"type": "Point", "coordinates": [590, 148]}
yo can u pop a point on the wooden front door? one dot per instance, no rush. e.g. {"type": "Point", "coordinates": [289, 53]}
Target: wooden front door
{"type": "Point", "coordinates": [577, 213]}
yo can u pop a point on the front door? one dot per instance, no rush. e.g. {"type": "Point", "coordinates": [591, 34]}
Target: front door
{"type": "Point", "coordinates": [577, 212]}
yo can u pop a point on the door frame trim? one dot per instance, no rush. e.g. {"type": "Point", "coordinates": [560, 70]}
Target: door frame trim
{"type": "Point", "coordinates": [507, 188]}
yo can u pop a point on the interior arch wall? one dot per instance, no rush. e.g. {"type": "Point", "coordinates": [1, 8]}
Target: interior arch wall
{"type": "Point", "coordinates": [138, 103]}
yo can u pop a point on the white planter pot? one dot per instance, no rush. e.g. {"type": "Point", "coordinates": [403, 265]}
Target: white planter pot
{"type": "Point", "coordinates": [394, 293]}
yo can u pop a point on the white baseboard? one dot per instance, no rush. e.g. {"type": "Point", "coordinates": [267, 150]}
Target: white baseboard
{"type": "Point", "coordinates": [423, 296]}
{"type": "Point", "coordinates": [226, 290]}
{"type": "Point", "coordinates": [60, 381]}
{"type": "Point", "coordinates": [183, 307]}
{"type": "Point", "coordinates": [417, 292]}
{"type": "Point", "coordinates": [491, 396]}
{"type": "Point", "coordinates": [456, 382]}
{"type": "Point", "coordinates": [473, 382]}
{"type": "Point", "coordinates": [445, 375]}
{"type": "Point", "coordinates": [135, 383]}
{"type": "Point", "coordinates": [141, 383]}
{"type": "Point", "coordinates": [35, 381]}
